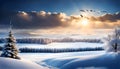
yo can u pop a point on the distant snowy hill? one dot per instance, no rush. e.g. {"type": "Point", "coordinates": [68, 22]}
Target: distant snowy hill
{"type": "Point", "coordinates": [8, 63]}
{"type": "Point", "coordinates": [103, 61]}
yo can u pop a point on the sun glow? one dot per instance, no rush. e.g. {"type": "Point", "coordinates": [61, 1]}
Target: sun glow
{"type": "Point", "coordinates": [84, 22]}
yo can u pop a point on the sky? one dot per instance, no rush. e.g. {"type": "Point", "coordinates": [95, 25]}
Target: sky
{"type": "Point", "coordinates": [36, 17]}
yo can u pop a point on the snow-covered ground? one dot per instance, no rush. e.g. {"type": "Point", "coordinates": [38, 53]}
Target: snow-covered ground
{"type": "Point", "coordinates": [43, 56]}
{"type": "Point", "coordinates": [70, 60]}
{"type": "Point", "coordinates": [104, 61]}
{"type": "Point", "coordinates": [76, 60]}
{"type": "Point", "coordinates": [9, 63]}
{"type": "Point", "coordinates": [55, 60]}
{"type": "Point", "coordinates": [73, 60]}
{"type": "Point", "coordinates": [60, 45]}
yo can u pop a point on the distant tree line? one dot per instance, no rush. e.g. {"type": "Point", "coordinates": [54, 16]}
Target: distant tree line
{"type": "Point", "coordinates": [54, 50]}
{"type": "Point", "coordinates": [35, 40]}
{"type": "Point", "coordinates": [30, 40]}
{"type": "Point", "coordinates": [47, 41]}
{"type": "Point", "coordinates": [78, 40]}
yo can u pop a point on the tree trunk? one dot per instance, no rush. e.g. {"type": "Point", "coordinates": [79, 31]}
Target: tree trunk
{"type": "Point", "coordinates": [115, 47]}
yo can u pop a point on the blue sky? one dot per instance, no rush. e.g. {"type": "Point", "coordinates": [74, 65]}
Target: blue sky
{"type": "Point", "coordinates": [66, 6]}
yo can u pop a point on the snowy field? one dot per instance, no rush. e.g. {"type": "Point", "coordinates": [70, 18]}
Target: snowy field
{"type": "Point", "coordinates": [43, 56]}
{"type": "Point", "coordinates": [70, 60]}
{"type": "Point", "coordinates": [52, 60]}
{"type": "Point", "coordinates": [75, 60]}
{"type": "Point", "coordinates": [60, 45]}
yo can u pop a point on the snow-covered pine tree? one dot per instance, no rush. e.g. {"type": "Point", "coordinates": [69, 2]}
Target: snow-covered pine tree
{"type": "Point", "coordinates": [112, 42]}
{"type": "Point", "coordinates": [9, 49]}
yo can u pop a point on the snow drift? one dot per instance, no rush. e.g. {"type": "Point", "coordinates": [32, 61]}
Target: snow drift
{"type": "Point", "coordinates": [104, 61]}
{"type": "Point", "coordinates": [8, 63]}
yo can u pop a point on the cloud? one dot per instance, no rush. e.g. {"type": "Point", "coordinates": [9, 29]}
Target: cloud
{"type": "Point", "coordinates": [104, 11]}
{"type": "Point", "coordinates": [48, 20]}
{"type": "Point", "coordinates": [107, 17]}
{"type": "Point", "coordinates": [88, 10]}
{"type": "Point", "coordinates": [106, 21]}
{"type": "Point", "coordinates": [91, 11]}
{"type": "Point", "coordinates": [44, 20]}
{"type": "Point", "coordinates": [82, 10]}
{"type": "Point", "coordinates": [40, 19]}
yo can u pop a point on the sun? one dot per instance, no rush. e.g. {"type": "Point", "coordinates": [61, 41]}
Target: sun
{"type": "Point", "coordinates": [84, 22]}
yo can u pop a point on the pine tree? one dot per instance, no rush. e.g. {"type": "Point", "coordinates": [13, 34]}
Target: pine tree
{"type": "Point", "coordinates": [9, 49]}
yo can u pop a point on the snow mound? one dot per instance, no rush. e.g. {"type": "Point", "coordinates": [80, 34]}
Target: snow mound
{"type": "Point", "coordinates": [8, 63]}
{"type": "Point", "coordinates": [104, 61]}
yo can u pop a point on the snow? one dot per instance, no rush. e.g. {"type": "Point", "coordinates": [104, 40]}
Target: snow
{"type": "Point", "coordinates": [45, 59]}
{"type": "Point", "coordinates": [73, 60]}
{"type": "Point", "coordinates": [101, 61]}
{"type": "Point", "coordinates": [76, 60]}
{"type": "Point", "coordinates": [37, 57]}
{"type": "Point", "coordinates": [9, 63]}
{"type": "Point", "coordinates": [62, 45]}
{"type": "Point", "coordinates": [112, 42]}
{"type": "Point", "coordinates": [70, 60]}
{"type": "Point", "coordinates": [106, 61]}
